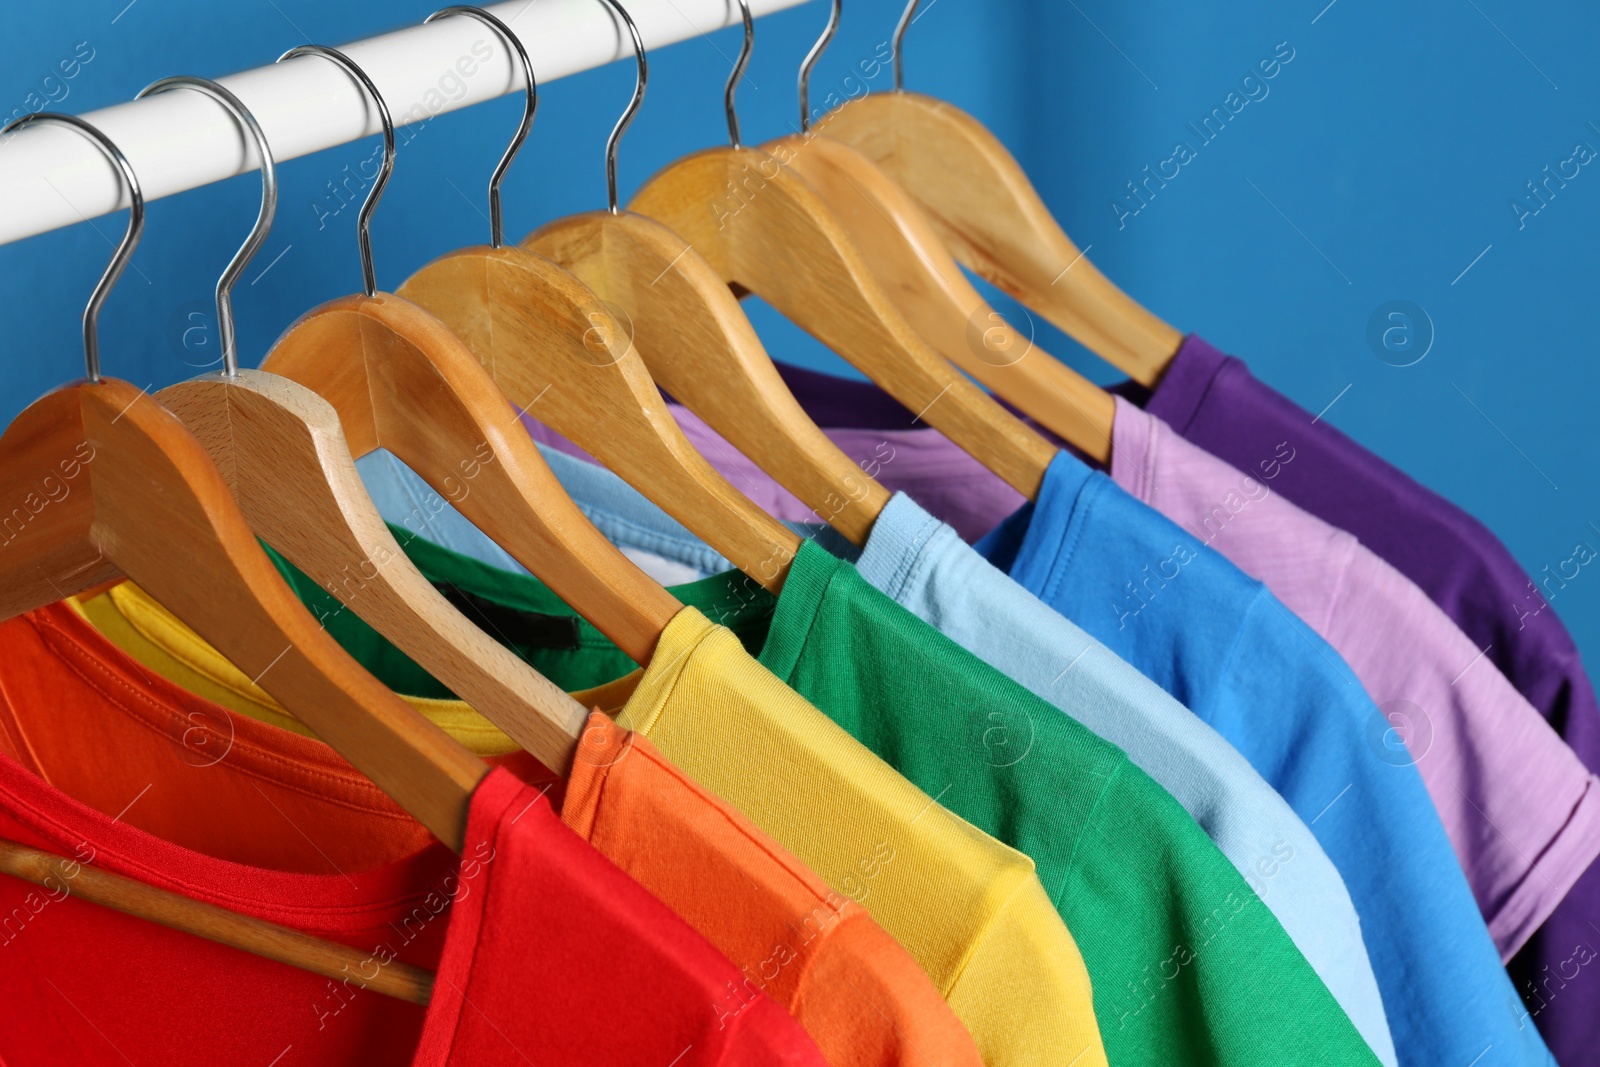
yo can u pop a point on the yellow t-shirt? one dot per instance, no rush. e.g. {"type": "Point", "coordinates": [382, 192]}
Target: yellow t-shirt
{"type": "Point", "coordinates": [968, 908]}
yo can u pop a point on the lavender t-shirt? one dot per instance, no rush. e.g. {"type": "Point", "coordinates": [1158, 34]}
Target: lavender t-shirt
{"type": "Point", "coordinates": [1522, 811]}
{"type": "Point", "coordinates": [1214, 401]}
{"type": "Point", "coordinates": [870, 427]}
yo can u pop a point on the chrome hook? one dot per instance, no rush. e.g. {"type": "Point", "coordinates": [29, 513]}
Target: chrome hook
{"type": "Point", "coordinates": [738, 72]}
{"type": "Point", "coordinates": [906, 18]}
{"type": "Point", "coordinates": [130, 239]}
{"type": "Point", "coordinates": [811, 61]}
{"type": "Point", "coordinates": [497, 231]}
{"type": "Point", "coordinates": [626, 120]}
{"type": "Point", "coordinates": [269, 205]}
{"type": "Point", "coordinates": [369, 277]}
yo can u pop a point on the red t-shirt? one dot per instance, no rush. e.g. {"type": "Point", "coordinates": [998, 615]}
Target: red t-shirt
{"type": "Point", "coordinates": [545, 951]}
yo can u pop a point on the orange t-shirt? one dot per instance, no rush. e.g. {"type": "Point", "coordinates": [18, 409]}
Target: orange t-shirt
{"type": "Point", "coordinates": [861, 997]}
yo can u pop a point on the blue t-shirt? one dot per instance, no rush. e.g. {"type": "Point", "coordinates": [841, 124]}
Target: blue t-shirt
{"type": "Point", "coordinates": [1223, 645]}
{"type": "Point", "coordinates": [922, 564]}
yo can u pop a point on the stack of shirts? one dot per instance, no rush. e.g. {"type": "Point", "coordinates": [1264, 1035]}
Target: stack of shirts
{"type": "Point", "coordinates": [1239, 753]}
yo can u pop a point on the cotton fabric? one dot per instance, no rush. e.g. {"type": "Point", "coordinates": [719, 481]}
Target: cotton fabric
{"type": "Point", "coordinates": [849, 803]}
{"type": "Point", "coordinates": [1215, 402]}
{"type": "Point", "coordinates": [539, 933]}
{"type": "Point", "coordinates": [993, 945]}
{"type": "Point", "coordinates": [1226, 648]}
{"type": "Point", "coordinates": [819, 954]}
{"type": "Point", "coordinates": [926, 568]}
{"type": "Point", "coordinates": [946, 583]}
{"type": "Point", "coordinates": [1521, 810]}
{"type": "Point", "coordinates": [1073, 796]}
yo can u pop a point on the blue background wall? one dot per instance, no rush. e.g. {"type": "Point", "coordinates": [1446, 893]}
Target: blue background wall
{"type": "Point", "coordinates": [1379, 166]}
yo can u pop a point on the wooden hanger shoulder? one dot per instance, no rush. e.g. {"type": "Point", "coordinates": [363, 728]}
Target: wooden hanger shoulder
{"type": "Point", "coordinates": [145, 500]}
{"type": "Point", "coordinates": [911, 261]}
{"type": "Point", "coordinates": [281, 450]}
{"type": "Point", "coordinates": [765, 230]}
{"type": "Point", "coordinates": [700, 347]}
{"type": "Point", "coordinates": [561, 354]}
{"type": "Point", "coordinates": [994, 221]}
{"type": "Point", "coordinates": [401, 380]}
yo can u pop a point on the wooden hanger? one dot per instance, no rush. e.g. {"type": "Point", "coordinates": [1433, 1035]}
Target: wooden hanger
{"type": "Point", "coordinates": [256, 936]}
{"type": "Point", "coordinates": [920, 275]}
{"type": "Point", "coordinates": [282, 451]}
{"type": "Point", "coordinates": [560, 353]}
{"type": "Point", "coordinates": [910, 259]}
{"type": "Point", "coordinates": [400, 380]}
{"type": "Point", "coordinates": [699, 345]}
{"type": "Point", "coordinates": [993, 219]}
{"type": "Point", "coordinates": [101, 482]}
{"type": "Point", "coordinates": [768, 232]}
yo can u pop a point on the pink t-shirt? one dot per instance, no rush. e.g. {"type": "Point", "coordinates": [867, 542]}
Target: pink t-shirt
{"type": "Point", "coordinates": [1521, 810]}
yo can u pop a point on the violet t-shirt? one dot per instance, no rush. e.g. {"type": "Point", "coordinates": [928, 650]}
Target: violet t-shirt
{"type": "Point", "coordinates": [1521, 810]}
{"type": "Point", "coordinates": [1214, 401]}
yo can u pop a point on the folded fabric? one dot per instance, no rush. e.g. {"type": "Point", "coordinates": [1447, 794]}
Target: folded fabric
{"type": "Point", "coordinates": [837, 808]}
{"type": "Point", "coordinates": [926, 568]}
{"type": "Point", "coordinates": [542, 946]}
{"type": "Point", "coordinates": [629, 809]}
{"type": "Point", "coordinates": [1227, 648]}
{"type": "Point", "coordinates": [1214, 401]}
{"type": "Point", "coordinates": [820, 955]}
{"type": "Point", "coordinates": [1521, 810]}
{"type": "Point", "coordinates": [993, 944]}
{"type": "Point", "coordinates": [1072, 805]}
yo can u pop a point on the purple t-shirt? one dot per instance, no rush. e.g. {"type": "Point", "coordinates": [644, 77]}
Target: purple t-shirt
{"type": "Point", "coordinates": [1522, 812]}
{"type": "Point", "coordinates": [1214, 401]}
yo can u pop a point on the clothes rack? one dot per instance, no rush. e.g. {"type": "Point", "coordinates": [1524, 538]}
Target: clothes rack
{"type": "Point", "coordinates": [51, 178]}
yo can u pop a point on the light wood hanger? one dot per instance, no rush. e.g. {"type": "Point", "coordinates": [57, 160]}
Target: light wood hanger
{"type": "Point", "coordinates": [699, 345]}
{"type": "Point", "coordinates": [993, 219]}
{"type": "Point", "coordinates": [282, 451]}
{"type": "Point", "coordinates": [766, 231]}
{"type": "Point", "coordinates": [400, 380]}
{"type": "Point", "coordinates": [916, 269]}
{"type": "Point", "coordinates": [559, 352]}
{"type": "Point", "coordinates": [256, 936]}
{"type": "Point", "coordinates": [109, 484]}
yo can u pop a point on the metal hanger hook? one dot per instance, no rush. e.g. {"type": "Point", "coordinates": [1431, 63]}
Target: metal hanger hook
{"type": "Point", "coordinates": [738, 72]}
{"type": "Point", "coordinates": [906, 18]}
{"type": "Point", "coordinates": [811, 61]}
{"type": "Point", "coordinates": [269, 204]}
{"type": "Point", "coordinates": [643, 78]}
{"type": "Point", "coordinates": [497, 230]}
{"type": "Point", "coordinates": [130, 239]}
{"type": "Point", "coordinates": [369, 277]}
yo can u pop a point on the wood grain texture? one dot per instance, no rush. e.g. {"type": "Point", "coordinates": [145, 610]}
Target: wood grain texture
{"type": "Point", "coordinates": [132, 897]}
{"type": "Point", "coordinates": [994, 221]}
{"type": "Point", "coordinates": [916, 269]}
{"type": "Point", "coordinates": [558, 352]}
{"type": "Point", "coordinates": [145, 501]}
{"type": "Point", "coordinates": [765, 230]}
{"type": "Point", "coordinates": [400, 380]}
{"type": "Point", "coordinates": [281, 450]}
{"type": "Point", "coordinates": [700, 347]}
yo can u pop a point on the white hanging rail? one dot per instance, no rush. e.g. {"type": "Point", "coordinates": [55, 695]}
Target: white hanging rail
{"type": "Point", "coordinates": [52, 177]}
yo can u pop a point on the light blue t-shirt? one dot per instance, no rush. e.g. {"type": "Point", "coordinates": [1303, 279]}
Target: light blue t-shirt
{"type": "Point", "coordinates": [1221, 644]}
{"type": "Point", "coordinates": [924, 565]}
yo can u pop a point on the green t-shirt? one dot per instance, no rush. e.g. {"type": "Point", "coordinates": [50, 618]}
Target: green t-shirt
{"type": "Point", "coordinates": [1188, 966]}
